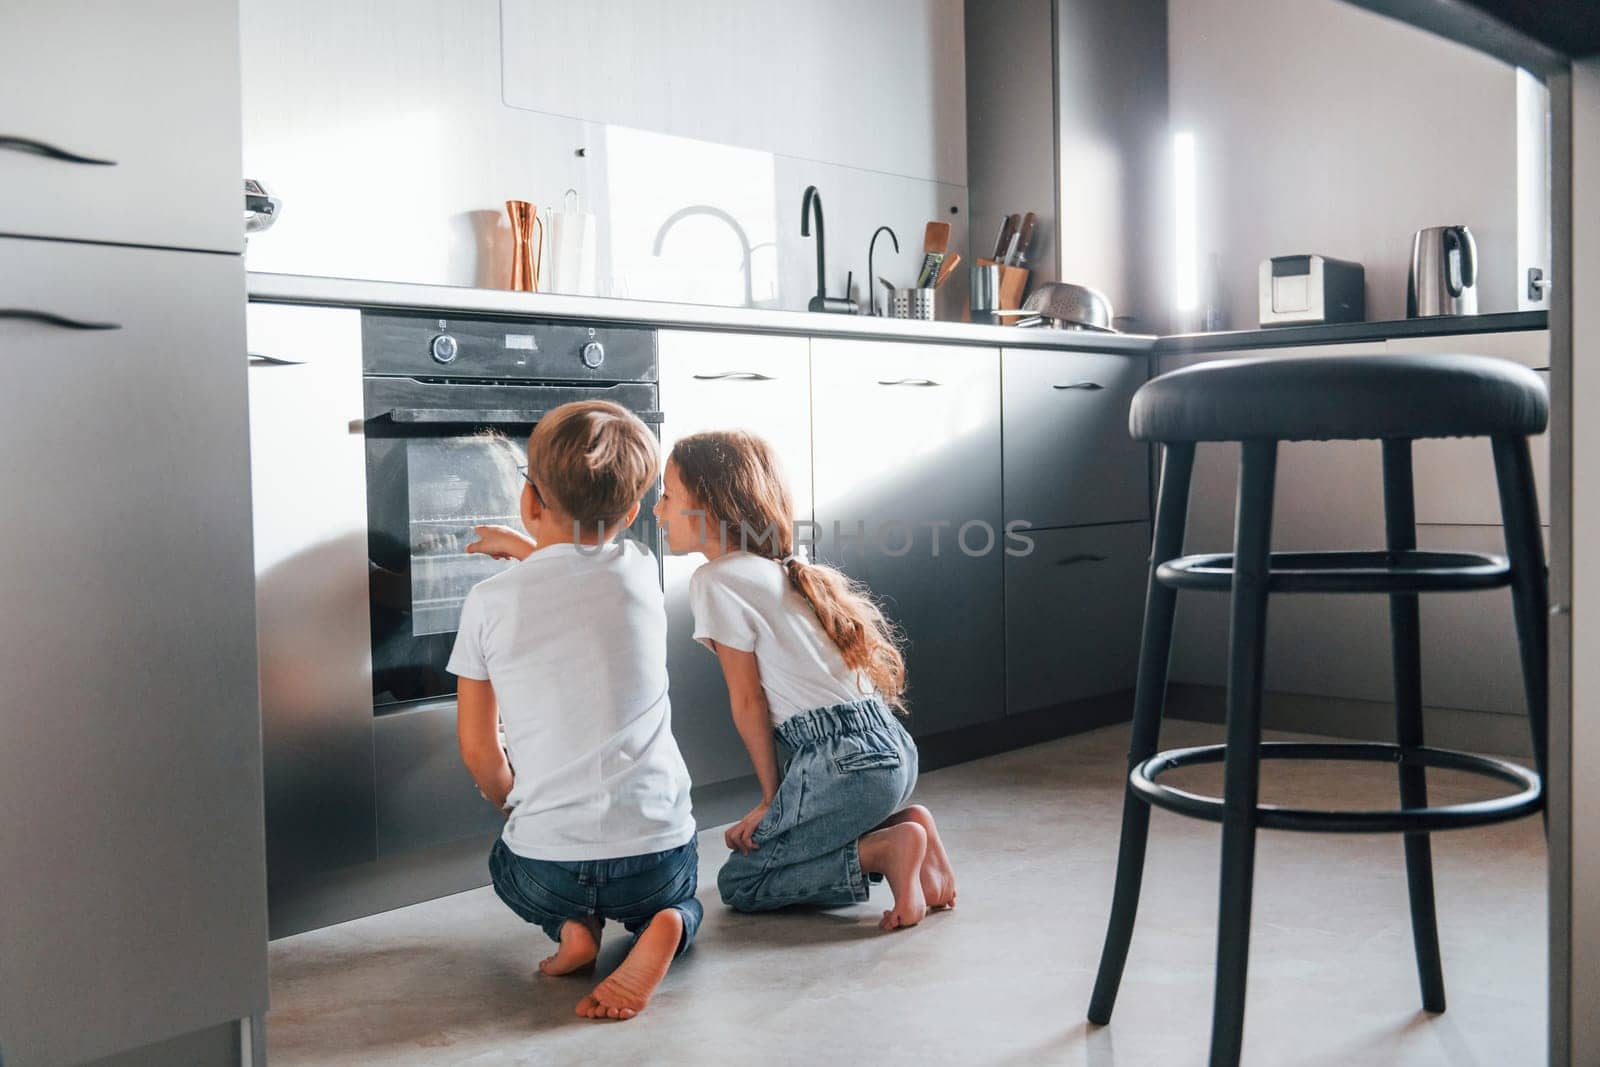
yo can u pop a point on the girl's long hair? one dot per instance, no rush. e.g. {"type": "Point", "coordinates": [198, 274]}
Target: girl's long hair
{"type": "Point", "coordinates": [735, 478]}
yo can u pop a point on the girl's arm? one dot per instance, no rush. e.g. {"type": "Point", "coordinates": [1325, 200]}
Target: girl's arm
{"type": "Point", "coordinates": [478, 734]}
{"type": "Point", "coordinates": [753, 719]}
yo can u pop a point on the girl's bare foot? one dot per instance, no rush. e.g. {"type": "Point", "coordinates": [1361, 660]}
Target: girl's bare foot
{"type": "Point", "coordinates": [938, 876]}
{"type": "Point", "coordinates": [580, 944]}
{"type": "Point", "coordinates": [627, 991]}
{"type": "Point", "coordinates": [897, 852]}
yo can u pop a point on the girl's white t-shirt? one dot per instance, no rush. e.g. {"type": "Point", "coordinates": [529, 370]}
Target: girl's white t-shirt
{"type": "Point", "coordinates": [746, 602]}
{"type": "Point", "coordinates": [574, 642]}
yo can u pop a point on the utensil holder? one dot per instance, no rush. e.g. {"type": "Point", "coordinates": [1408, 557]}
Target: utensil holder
{"type": "Point", "coordinates": [912, 304]}
{"type": "Point", "coordinates": [1013, 283]}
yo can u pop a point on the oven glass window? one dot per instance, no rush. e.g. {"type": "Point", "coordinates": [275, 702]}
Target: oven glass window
{"type": "Point", "coordinates": [456, 483]}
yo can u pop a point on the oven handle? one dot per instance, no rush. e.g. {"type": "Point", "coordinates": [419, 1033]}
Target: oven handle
{"type": "Point", "coordinates": [482, 417]}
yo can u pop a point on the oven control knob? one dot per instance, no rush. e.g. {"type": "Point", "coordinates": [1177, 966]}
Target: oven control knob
{"type": "Point", "coordinates": [593, 354]}
{"type": "Point", "coordinates": [444, 348]}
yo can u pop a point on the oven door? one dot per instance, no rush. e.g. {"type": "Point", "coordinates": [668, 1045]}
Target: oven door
{"type": "Point", "coordinates": [442, 457]}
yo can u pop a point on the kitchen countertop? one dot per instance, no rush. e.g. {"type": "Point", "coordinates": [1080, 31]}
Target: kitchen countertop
{"type": "Point", "coordinates": [352, 292]}
{"type": "Point", "coordinates": [1352, 332]}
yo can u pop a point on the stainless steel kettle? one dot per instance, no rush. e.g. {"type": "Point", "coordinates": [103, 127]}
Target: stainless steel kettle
{"type": "Point", "coordinates": [1444, 272]}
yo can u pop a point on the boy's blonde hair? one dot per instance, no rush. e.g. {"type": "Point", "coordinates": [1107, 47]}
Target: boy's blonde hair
{"type": "Point", "coordinates": [593, 460]}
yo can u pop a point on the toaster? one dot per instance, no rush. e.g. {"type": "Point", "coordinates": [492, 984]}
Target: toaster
{"type": "Point", "coordinates": [1300, 289]}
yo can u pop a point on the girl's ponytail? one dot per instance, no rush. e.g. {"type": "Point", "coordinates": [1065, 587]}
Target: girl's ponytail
{"type": "Point", "coordinates": [734, 476]}
{"type": "Point", "coordinates": [866, 639]}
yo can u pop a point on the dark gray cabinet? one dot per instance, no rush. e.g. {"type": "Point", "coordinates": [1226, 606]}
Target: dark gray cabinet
{"type": "Point", "coordinates": [906, 447]}
{"type": "Point", "coordinates": [130, 743]}
{"type": "Point", "coordinates": [1068, 457]}
{"type": "Point", "coordinates": [1074, 604]}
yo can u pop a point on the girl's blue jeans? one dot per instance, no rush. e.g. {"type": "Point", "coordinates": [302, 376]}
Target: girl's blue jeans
{"type": "Point", "coordinates": [853, 766]}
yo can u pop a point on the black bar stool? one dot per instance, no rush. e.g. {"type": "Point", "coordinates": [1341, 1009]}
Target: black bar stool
{"type": "Point", "coordinates": [1259, 402]}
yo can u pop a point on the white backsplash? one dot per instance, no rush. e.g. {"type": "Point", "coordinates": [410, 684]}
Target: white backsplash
{"type": "Point", "coordinates": [384, 131]}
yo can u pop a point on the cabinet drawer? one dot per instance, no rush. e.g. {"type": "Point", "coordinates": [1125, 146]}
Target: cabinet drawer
{"type": "Point", "coordinates": [1068, 458]}
{"type": "Point", "coordinates": [718, 381]}
{"type": "Point", "coordinates": [907, 449]}
{"type": "Point", "coordinates": [1074, 607]}
{"type": "Point", "coordinates": [152, 87]}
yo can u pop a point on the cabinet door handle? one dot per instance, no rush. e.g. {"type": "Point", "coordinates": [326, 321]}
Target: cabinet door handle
{"type": "Point", "coordinates": [51, 319]}
{"type": "Point", "coordinates": [1081, 557]}
{"type": "Point", "coordinates": [50, 151]}
{"type": "Point", "coordinates": [907, 381]}
{"type": "Point", "coordinates": [1087, 386]}
{"type": "Point", "coordinates": [258, 360]}
{"type": "Point", "coordinates": [735, 375]}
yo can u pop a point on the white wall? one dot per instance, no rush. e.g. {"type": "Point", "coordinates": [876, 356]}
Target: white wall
{"type": "Point", "coordinates": [385, 129]}
{"type": "Point", "coordinates": [1323, 128]}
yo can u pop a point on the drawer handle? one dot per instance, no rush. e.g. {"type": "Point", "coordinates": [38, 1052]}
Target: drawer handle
{"type": "Point", "coordinates": [258, 360]}
{"type": "Point", "coordinates": [735, 375]}
{"type": "Point", "coordinates": [907, 381]}
{"type": "Point", "coordinates": [50, 319]}
{"type": "Point", "coordinates": [1081, 557]}
{"type": "Point", "coordinates": [50, 151]}
{"type": "Point", "coordinates": [1087, 386]}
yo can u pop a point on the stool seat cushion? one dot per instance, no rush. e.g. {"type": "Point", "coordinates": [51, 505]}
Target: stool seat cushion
{"type": "Point", "coordinates": [1353, 397]}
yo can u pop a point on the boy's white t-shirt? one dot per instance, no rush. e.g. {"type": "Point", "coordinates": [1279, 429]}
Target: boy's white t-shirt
{"type": "Point", "coordinates": [574, 641]}
{"type": "Point", "coordinates": [746, 602]}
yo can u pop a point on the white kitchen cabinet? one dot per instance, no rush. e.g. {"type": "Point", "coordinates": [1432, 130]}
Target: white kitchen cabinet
{"type": "Point", "coordinates": [151, 88]}
{"type": "Point", "coordinates": [130, 738]}
{"type": "Point", "coordinates": [1074, 605]}
{"type": "Point", "coordinates": [721, 381]}
{"type": "Point", "coordinates": [907, 479]}
{"type": "Point", "coordinates": [1455, 476]}
{"type": "Point", "coordinates": [1068, 458]}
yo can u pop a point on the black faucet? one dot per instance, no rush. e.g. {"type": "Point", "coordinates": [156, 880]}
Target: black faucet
{"type": "Point", "coordinates": [809, 205]}
{"type": "Point", "coordinates": [872, 278]}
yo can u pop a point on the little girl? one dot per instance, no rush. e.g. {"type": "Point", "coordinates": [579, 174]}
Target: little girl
{"type": "Point", "coordinates": [809, 661]}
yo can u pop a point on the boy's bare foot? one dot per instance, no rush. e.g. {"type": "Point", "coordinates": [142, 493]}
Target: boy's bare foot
{"type": "Point", "coordinates": [627, 991]}
{"type": "Point", "coordinates": [938, 876]}
{"type": "Point", "coordinates": [897, 852]}
{"type": "Point", "coordinates": [580, 944]}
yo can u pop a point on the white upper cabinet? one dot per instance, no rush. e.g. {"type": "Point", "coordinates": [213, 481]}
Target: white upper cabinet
{"type": "Point", "coordinates": [121, 123]}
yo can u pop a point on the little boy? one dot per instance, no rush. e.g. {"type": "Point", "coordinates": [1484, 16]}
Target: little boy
{"type": "Point", "coordinates": [567, 650]}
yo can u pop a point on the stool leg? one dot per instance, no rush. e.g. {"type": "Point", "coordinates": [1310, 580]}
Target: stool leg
{"type": "Point", "coordinates": [1530, 592]}
{"type": "Point", "coordinates": [1155, 649]}
{"type": "Point", "coordinates": [1252, 542]}
{"type": "Point", "coordinates": [1400, 520]}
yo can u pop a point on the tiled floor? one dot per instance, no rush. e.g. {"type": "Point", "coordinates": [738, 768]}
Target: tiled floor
{"type": "Point", "coordinates": [1003, 979]}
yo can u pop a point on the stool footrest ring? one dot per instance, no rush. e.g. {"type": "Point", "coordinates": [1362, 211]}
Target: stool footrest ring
{"type": "Point", "coordinates": [1379, 571]}
{"type": "Point", "coordinates": [1528, 800]}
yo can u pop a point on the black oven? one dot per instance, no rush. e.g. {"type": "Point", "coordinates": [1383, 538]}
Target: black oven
{"type": "Point", "coordinates": [449, 404]}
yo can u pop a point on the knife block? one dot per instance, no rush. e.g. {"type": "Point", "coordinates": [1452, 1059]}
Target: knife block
{"type": "Point", "coordinates": [1013, 281]}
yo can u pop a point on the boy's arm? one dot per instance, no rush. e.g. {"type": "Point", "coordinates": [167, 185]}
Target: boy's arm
{"type": "Point", "coordinates": [753, 719]}
{"type": "Point", "coordinates": [478, 734]}
{"type": "Point", "coordinates": [501, 542]}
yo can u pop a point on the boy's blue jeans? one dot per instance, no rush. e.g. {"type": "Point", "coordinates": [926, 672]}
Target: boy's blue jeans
{"type": "Point", "coordinates": [629, 890]}
{"type": "Point", "coordinates": [853, 766]}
